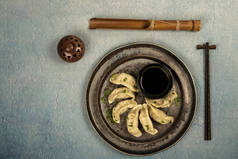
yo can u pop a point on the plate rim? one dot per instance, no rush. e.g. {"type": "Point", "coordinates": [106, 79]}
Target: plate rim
{"type": "Point", "coordinates": [88, 86]}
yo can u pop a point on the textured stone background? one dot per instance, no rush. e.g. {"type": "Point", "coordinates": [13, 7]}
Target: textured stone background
{"type": "Point", "coordinates": [42, 110]}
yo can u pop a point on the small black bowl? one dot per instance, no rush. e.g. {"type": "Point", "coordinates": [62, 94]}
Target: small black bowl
{"type": "Point", "coordinates": [155, 81]}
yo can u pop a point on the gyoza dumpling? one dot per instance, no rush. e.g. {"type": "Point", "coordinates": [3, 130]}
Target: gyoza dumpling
{"type": "Point", "coordinates": [125, 80]}
{"type": "Point", "coordinates": [162, 102]}
{"type": "Point", "coordinates": [146, 121]}
{"type": "Point", "coordinates": [120, 93]}
{"type": "Point", "coordinates": [132, 121]}
{"type": "Point", "coordinates": [121, 108]}
{"type": "Point", "coordinates": [159, 116]}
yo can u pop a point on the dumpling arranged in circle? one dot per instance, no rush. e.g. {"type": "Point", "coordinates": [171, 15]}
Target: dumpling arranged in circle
{"type": "Point", "coordinates": [162, 102]}
{"type": "Point", "coordinates": [120, 93]}
{"type": "Point", "coordinates": [121, 108]}
{"type": "Point", "coordinates": [132, 121]}
{"type": "Point", "coordinates": [159, 116]}
{"type": "Point", "coordinates": [124, 79]}
{"type": "Point", "coordinates": [146, 121]}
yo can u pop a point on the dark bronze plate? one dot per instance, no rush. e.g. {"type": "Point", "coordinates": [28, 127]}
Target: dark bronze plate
{"type": "Point", "coordinates": [131, 59]}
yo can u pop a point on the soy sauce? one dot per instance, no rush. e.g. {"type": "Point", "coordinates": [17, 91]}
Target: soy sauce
{"type": "Point", "coordinates": [154, 81]}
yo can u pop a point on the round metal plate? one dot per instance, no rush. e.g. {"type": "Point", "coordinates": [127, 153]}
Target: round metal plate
{"type": "Point", "coordinates": [131, 59]}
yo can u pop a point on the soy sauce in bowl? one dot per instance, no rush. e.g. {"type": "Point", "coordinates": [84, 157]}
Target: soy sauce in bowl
{"type": "Point", "coordinates": [155, 81]}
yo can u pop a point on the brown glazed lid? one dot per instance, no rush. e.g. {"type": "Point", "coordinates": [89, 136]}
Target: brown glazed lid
{"type": "Point", "coordinates": [71, 48]}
